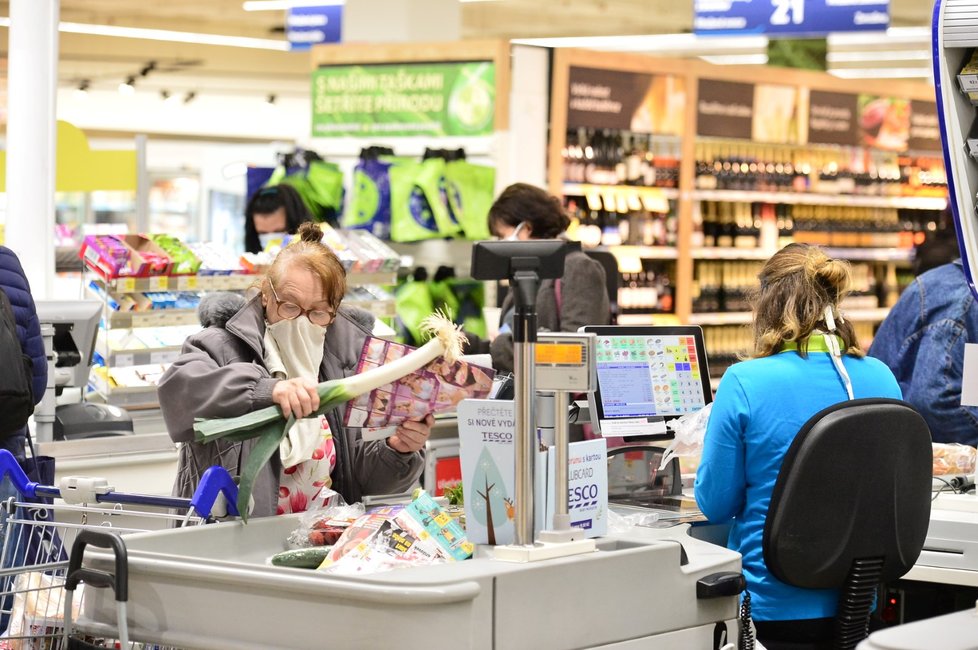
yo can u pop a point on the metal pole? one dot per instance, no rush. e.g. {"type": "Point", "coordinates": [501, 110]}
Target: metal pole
{"type": "Point", "coordinates": [45, 411]}
{"type": "Point", "coordinates": [526, 439]}
{"type": "Point", "coordinates": [31, 136]}
{"type": "Point", "coordinates": [561, 452]}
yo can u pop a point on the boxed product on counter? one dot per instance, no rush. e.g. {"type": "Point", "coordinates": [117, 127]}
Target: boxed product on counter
{"type": "Point", "coordinates": [214, 259]}
{"type": "Point", "coordinates": [968, 77]}
{"type": "Point", "coordinates": [184, 260]}
{"type": "Point", "coordinates": [124, 255]}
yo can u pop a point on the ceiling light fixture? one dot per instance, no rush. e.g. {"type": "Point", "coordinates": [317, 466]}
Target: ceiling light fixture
{"type": "Point", "coordinates": [881, 73]}
{"type": "Point", "coordinates": [271, 99]}
{"type": "Point", "coordinates": [128, 86]}
{"type": "Point", "coordinates": [280, 5]}
{"type": "Point", "coordinates": [82, 90]}
{"type": "Point", "coordinates": [149, 67]}
{"type": "Point", "coordinates": [168, 35]}
{"type": "Point", "coordinates": [285, 5]}
{"type": "Point", "coordinates": [190, 96]}
{"type": "Point", "coordinates": [881, 55]}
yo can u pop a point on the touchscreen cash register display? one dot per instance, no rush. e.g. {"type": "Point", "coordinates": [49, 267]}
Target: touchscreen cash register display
{"type": "Point", "coordinates": [647, 375]}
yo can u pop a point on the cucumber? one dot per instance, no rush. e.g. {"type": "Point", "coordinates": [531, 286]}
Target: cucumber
{"type": "Point", "coordinates": [302, 558]}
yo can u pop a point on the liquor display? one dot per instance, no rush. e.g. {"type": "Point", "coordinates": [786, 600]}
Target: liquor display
{"type": "Point", "coordinates": [860, 171]}
{"type": "Point", "coordinates": [614, 157]}
{"type": "Point", "coordinates": [773, 225]}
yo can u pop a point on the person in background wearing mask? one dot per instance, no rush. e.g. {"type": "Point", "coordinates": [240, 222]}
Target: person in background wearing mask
{"type": "Point", "coordinates": [580, 298]}
{"type": "Point", "coordinates": [274, 350]}
{"type": "Point", "coordinates": [805, 358]}
{"type": "Point", "coordinates": [273, 211]}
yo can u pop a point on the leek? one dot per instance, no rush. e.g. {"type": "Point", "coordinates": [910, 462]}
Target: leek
{"type": "Point", "coordinates": [270, 426]}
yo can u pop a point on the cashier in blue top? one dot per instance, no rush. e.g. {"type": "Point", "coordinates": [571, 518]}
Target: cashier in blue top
{"type": "Point", "coordinates": [805, 358]}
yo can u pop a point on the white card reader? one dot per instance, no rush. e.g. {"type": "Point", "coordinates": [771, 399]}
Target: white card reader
{"type": "Point", "coordinates": [564, 361]}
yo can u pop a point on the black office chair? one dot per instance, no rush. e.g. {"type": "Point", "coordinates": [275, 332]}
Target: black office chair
{"type": "Point", "coordinates": [851, 505]}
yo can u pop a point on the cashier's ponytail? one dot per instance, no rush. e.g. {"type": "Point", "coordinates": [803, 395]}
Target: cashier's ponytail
{"type": "Point", "coordinates": [797, 284]}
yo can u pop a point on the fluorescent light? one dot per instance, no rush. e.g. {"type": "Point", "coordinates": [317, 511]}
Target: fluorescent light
{"type": "Point", "coordinates": [881, 73]}
{"type": "Point", "coordinates": [663, 44]}
{"type": "Point", "coordinates": [878, 55]}
{"type": "Point", "coordinates": [892, 36]}
{"type": "Point", "coordinates": [168, 35]}
{"type": "Point", "coordinates": [282, 5]}
{"type": "Point", "coordinates": [736, 59]}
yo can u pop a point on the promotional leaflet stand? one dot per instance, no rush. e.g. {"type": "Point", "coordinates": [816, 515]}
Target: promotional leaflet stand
{"type": "Point", "coordinates": [524, 264]}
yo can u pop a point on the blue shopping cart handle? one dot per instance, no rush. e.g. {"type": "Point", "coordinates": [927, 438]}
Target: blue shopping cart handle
{"type": "Point", "coordinates": [215, 480]}
{"type": "Point", "coordinates": [10, 467]}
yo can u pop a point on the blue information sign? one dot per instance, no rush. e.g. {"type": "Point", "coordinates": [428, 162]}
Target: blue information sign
{"type": "Point", "coordinates": [794, 17]}
{"type": "Point", "coordinates": [308, 26]}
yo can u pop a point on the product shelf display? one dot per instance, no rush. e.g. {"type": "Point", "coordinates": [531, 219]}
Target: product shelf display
{"type": "Point", "coordinates": [955, 41]}
{"type": "Point", "coordinates": [748, 160]}
{"type": "Point", "coordinates": [150, 308]}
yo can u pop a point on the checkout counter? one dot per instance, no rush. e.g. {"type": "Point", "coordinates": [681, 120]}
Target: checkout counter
{"type": "Point", "coordinates": [645, 586]}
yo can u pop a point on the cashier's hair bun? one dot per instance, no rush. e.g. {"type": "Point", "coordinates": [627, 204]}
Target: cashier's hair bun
{"type": "Point", "coordinates": [796, 286]}
{"type": "Point", "coordinates": [310, 232]}
{"type": "Point", "coordinates": [309, 251]}
{"type": "Point", "coordinates": [833, 276]}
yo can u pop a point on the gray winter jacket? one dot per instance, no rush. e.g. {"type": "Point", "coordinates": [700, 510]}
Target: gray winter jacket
{"type": "Point", "coordinates": [221, 373]}
{"type": "Point", "coordinates": [584, 301]}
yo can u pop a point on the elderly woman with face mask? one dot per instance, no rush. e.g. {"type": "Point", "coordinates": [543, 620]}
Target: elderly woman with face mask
{"type": "Point", "coordinates": [275, 350]}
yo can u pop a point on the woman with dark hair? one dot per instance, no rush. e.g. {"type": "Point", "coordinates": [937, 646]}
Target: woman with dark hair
{"type": "Point", "coordinates": [580, 298]}
{"type": "Point", "coordinates": [805, 358]}
{"type": "Point", "coordinates": [277, 209]}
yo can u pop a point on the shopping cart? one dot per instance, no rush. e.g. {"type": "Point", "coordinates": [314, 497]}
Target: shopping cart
{"type": "Point", "coordinates": [43, 524]}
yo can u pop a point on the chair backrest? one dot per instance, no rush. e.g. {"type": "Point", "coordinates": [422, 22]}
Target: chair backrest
{"type": "Point", "coordinates": [855, 483]}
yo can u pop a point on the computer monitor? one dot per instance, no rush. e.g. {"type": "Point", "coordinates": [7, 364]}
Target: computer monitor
{"type": "Point", "coordinates": [75, 328]}
{"type": "Point", "coordinates": [647, 376]}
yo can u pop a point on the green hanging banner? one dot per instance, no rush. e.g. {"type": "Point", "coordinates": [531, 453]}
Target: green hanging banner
{"type": "Point", "coordinates": [429, 99]}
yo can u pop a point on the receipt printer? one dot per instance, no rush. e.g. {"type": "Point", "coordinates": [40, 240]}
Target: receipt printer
{"type": "Point", "coordinates": [88, 420]}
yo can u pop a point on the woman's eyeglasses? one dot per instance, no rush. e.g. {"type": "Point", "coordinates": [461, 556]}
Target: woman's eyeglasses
{"type": "Point", "coordinates": [291, 311]}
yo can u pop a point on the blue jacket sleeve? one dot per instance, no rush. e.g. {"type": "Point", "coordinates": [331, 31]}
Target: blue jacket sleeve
{"type": "Point", "coordinates": [18, 289]}
{"type": "Point", "coordinates": [895, 343]}
{"type": "Point", "coordinates": [721, 482]}
{"type": "Point", "coordinates": [935, 389]}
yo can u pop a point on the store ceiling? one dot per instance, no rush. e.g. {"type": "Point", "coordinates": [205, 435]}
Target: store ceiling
{"type": "Point", "coordinates": [105, 61]}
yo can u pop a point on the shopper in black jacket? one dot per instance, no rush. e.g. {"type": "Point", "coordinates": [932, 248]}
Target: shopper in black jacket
{"type": "Point", "coordinates": [14, 283]}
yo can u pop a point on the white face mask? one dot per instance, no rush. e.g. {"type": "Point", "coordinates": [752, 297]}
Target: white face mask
{"type": "Point", "coordinates": [515, 235]}
{"type": "Point", "coordinates": [300, 346]}
{"type": "Point", "coordinates": [266, 238]}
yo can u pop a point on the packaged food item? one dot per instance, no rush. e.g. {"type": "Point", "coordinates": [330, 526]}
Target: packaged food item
{"type": "Point", "coordinates": [184, 260]}
{"type": "Point", "coordinates": [954, 458]}
{"type": "Point", "coordinates": [391, 537]}
{"type": "Point", "coordinates": [323, 526]}
{"type": "Point", "coordinates": [968, 77]}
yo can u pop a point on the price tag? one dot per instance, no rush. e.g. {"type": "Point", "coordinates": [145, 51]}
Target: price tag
{"type": "Point", "coordinates": [157, 357]}
{"type": "Point", "coordinates": [159, 283]}
{"type": "Point", "coordinates": [123, 360]}
{"type": "Point", "coordinates": [126, 285]}
{"type": "Point", "coordinates": [187, 283]}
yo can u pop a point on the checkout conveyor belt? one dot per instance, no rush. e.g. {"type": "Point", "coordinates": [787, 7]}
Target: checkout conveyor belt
{"type": "Point", "coordinates": [198, 587]}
